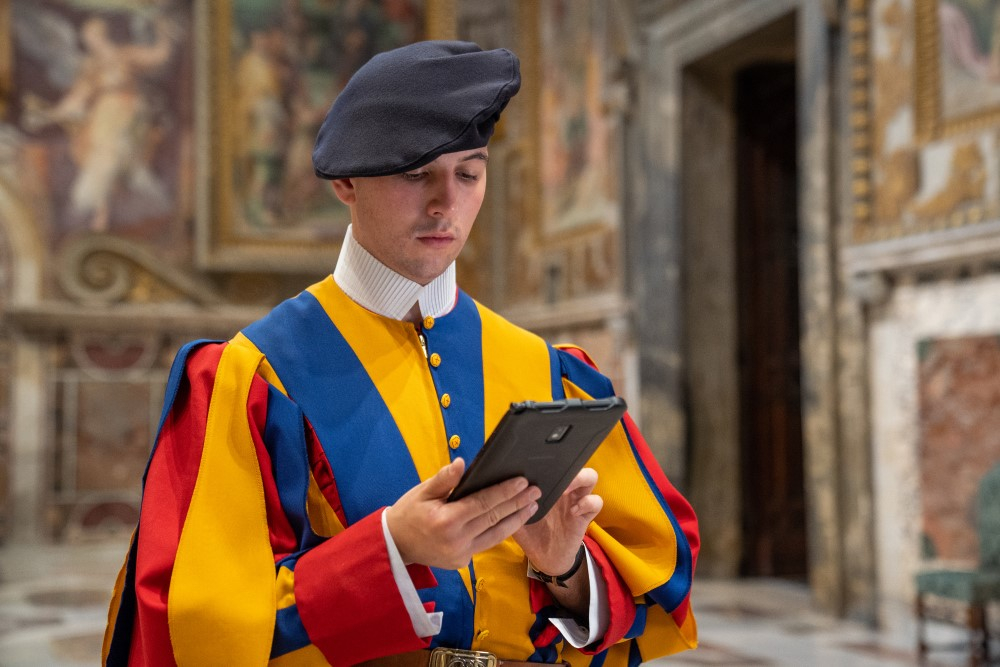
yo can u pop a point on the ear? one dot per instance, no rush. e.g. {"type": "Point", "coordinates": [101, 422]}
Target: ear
{"type": "Point", "coordinates": [344, 189]}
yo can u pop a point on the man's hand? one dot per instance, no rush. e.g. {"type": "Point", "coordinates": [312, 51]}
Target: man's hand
{"type": "Point", "coordinates": [430, 531]}
{"type": "Point", "coordinates": [551, 544]}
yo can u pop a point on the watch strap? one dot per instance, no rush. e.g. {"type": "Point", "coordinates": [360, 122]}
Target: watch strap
{"type": "Point", "coordinates": [560, 579]}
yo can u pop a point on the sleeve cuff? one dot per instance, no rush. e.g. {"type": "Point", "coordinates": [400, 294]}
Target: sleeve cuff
{"type": "Point", "coordinates": [424, 624]}
{"type": "Point", "coordinates": [348, 599]}
{"type": "Point", "coordinates": [577, 634]}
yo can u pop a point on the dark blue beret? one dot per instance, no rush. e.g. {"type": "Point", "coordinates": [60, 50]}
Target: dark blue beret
{"type": "Point", "coordinates": [407, 106]}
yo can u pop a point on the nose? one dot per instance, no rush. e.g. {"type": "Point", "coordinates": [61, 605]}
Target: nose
{"type": "Point", "coordinates": [441, 201]}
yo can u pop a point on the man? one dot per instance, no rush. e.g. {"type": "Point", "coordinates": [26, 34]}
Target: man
{"type": "Point", "coordinates": [295, 505]}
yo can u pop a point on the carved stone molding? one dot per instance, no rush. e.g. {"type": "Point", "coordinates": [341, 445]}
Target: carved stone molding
{"type": "Point", "coordinates": [107, 269]}
{"type": "Point", "coordinates": [949, 250]}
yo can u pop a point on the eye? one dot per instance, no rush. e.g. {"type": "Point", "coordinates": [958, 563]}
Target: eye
{"type": "Point", "coordinates": [468, 176]}
{"type": "Point", "coordinates": [413, 175]}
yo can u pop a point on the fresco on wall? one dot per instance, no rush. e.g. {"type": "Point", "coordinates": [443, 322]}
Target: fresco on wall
{"type": "Point", "coordinates": [102, 101]}
{"type": "Point", "coordinates": [960, 438]}
{"type": "Point", "coordinates": [925, 116]}
{"type": "Point", "coordinates": [969, 32]}
{"type": "Point", "coordinates": [288, 61]}
{"type": "Point", "coordinates": [578, 188]}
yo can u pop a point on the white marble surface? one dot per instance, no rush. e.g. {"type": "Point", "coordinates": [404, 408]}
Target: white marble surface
{"type": "Point", "coordinates": [913, 313]}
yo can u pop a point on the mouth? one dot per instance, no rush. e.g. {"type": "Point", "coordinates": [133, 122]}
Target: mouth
{"type": "Point", "coordinates": [436, 239]}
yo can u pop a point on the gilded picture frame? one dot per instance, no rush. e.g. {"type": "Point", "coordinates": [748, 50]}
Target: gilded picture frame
{"type": "Point", "coordinates": [268, 73]}
{"type": "Point", "coordinates": [957, 61]}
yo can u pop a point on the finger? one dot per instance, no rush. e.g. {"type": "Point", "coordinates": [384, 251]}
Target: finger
{"type": "Point", "coordinates": [504, 528]}
{"type": "Point", "coordinates": [444, 480]}
{"type": "Point", "coordinates": [588, 506]}
{"type": "Point", "coordinates": [496, 514]}
{"type": "Point", "coordinates": [585, 479]}
{"type": "Point", "coordinates": [485, 500]}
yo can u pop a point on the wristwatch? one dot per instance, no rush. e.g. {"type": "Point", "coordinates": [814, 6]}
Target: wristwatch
{"type": "Point", "coordinates": [560, 579]}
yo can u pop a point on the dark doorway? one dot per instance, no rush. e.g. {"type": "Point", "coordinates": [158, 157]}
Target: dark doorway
{"type": "Point", "coordinates": [773, 497]}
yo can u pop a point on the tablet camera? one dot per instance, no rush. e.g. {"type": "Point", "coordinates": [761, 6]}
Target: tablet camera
{"type": "Point", "coordinates": [558, 433]}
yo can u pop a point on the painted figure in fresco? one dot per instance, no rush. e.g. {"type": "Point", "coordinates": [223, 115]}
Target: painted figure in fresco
{"type": "Point", "coordinates": [110, 121]}
{"type": "Point", "coordinates": [290, 59]}
{"type": "Point", "coordinates": [970, 39]}
{"type": "Point", "coordinates": [295, 509]}
{"type": "Point", "coordinates": [263, 123]}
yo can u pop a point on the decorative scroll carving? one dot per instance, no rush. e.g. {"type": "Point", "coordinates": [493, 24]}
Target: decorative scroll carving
{"type": "Point", "coordinates": [106, 269]}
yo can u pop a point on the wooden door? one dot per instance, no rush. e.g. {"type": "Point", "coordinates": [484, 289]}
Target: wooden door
{"type": "Point", "coordinates": [774, 535]}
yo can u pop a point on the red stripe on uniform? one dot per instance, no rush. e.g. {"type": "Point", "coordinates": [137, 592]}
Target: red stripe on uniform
{"type": "Point", "coordinates": [323, 473]}
{"type": "Point", "coordinates": [348, 599]}
{"type": "Point", "coordinates": [621, 605]}
{"type": "Point", "coordinates": [283, 540]}
{"type": "Point", "coordinates": [166, 498]}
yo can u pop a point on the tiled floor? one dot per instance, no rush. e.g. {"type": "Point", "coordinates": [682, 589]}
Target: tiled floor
{"type": "Point", "coordinates": [53, 608]}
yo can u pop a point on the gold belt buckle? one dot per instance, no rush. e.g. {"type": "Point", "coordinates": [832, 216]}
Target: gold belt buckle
{"type": "Point", "coordinates": [456, 657]}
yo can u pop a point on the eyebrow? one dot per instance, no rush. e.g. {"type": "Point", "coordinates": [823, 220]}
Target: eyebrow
{"type": "Point", "coordinates": [481, 155]}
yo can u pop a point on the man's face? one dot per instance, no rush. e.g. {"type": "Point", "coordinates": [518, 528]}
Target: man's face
{"type": "Point", "coordinates": [417, 222]}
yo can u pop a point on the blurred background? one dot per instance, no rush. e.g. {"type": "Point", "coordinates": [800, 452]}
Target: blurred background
{"type": "Point", "coordinates": [775, 224]}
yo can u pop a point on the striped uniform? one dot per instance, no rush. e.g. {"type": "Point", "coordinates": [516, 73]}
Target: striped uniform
{"type": "Point", "coordinates": [260, 538]}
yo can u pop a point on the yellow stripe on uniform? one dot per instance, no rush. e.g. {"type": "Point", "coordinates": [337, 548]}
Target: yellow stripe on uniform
{"type": "Point", "coordinates": [505, 345]}
{"type": "Point", "coordinates": [307, 656]}
{"type": "Point", "coordinates": [322, 518]}
{"type": "Point", "coordinates": [264, 369]}
{"type": "Point", "coordinates": [502, 571]}
{"type": "Point", "coordinates": [391, 354]}
{"type": "Point", "coordinates": [628, 505]}
{"type": "Point", "coordinates": [224, 566]}
{"type": "Point", "coordinates": [284, 588]}
{"type": "Point", "coordinates": [663, 637]}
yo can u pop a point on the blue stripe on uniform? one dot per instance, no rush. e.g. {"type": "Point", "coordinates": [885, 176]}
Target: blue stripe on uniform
{"type": "Point", "coordinates": [289, 632]}
{"type": "Point", "coordinates": [584, 376]}
{"type": "Point", "coordinates": [323, 375]}
{"type": "Point", "coordinates": [285, 438]}
{"type": "Point", "coordinates": [458, 338]}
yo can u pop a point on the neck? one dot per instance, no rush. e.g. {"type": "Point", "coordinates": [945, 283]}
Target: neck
{"type": "Point", "coordinates": [413, 315]}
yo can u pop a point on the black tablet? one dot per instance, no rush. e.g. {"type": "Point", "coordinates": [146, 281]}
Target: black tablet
{"type": "Point", "coordinates": [546, 442]}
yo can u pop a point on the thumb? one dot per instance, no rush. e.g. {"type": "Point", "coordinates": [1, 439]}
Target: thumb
{"type": "Point", "coordinates": [441, 484]}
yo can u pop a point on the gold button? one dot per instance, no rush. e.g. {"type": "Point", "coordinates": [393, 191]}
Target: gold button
{"type": "Point", "coordinates": [435, 360]}
{"type": "Point", "coordinates": [481, 584]}
{"type": "Point", "coordinates": [428, 322]}
{"type": "Point", "coordinates": [483, 634]}
{"type": "Point", "coordinates": [445, 400]}
{"type": "Point", "coordinates": [454, 442]}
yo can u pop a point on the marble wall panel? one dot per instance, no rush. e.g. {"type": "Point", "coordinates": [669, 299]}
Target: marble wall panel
{"type": "Point", "coordinates": [959, 438]}
{"type": "Point", "coordinates": [915, 312]}
{"type": "Point", "coordinates": [106, 394]}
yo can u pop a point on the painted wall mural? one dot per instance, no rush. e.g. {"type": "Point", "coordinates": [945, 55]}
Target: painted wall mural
{"type": "Point", "coordinates": [577, 184]}
{"type": "Point", "coordinates": [568, 240]}
{"type": "Point", "coordinates": [288, 62]}
{"type": "Point", "coordinates": [967, 33]}
{"type": "Point", "coordinates": [276, 67]}
{"type": "Point", "coordinates": [102, 106]}
{"type": "Point", "coordinates": [926, 118]}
